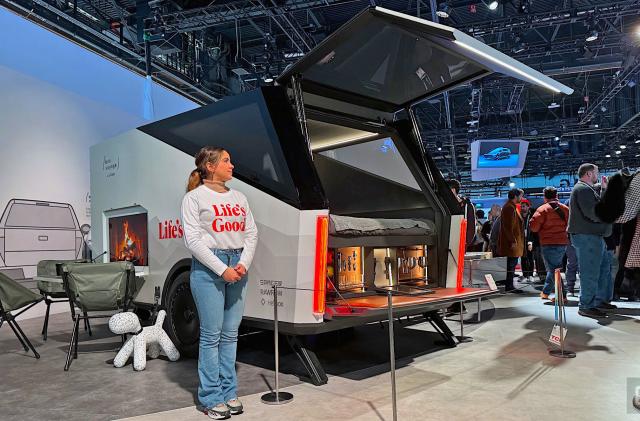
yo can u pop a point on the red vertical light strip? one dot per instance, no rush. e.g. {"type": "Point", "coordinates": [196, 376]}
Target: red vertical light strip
{"type": "Point", "coordinates": [462, 245]}
{"type": "Point", "coordinates": [320, 276]}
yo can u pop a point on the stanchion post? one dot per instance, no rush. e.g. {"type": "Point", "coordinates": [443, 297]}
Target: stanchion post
{"type": "Point", "coordinates": [392, 355]}
{"type": "Point", "coordinates": [276, 397]}
{"type": "Point", "coordinates": [560, 353]}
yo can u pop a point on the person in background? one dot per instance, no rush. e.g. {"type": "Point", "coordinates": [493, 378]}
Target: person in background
{"type": "Point", "coordinates": [511, 238]}
{"type": "Point", "coordinates": [478, 240]}
{"type": "Point", "coordinates": [527, 260]}
{"type": "Point", "coordinates": [494, 235]}
{"type": "Point", "coordinates": [612, 246]}
{"type": "Point", "coordinates": [494, 214]}
{"type": "Point", "coordinates": [467, 209]}
{"type": "Point", "coordinates": [550, 222]}
{"type": "Point", "coordinates": [587, 236]}
{"type": "Point", "coordinates": [571, 272]}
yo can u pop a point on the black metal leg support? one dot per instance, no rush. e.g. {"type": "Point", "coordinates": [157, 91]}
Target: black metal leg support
{"type": "Point", "coordinates": [10, 323]}
{"type": "Point", "coordinates": [75, 345]}
{"type": "Point", "coordinates": [45, 325]}
{"type": "Point", "coordinates": [26, 340]}
{"type": "Point", "coordinates": [441, 327]}
{"type": "Point", "coordinates": [309, 360]}
{"type": "Point", "coordinates": [76, 320]}
{"type": "Point", "coordinates": [87, 325]}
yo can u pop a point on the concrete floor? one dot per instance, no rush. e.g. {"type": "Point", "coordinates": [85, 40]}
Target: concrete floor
{"type": "Point", "coordinates": [504, 374]}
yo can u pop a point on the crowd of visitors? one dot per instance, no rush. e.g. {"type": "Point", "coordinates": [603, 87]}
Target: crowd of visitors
{"type": "Point", "coordinates": [594, 234]}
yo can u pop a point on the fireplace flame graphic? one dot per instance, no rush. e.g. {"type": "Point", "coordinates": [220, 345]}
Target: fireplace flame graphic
{"type": "Point", "coordinates": [128, 243]}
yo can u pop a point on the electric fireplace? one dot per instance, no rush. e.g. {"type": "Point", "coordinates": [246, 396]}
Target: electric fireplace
{"type": "Point", "coordinates": [128, 239]}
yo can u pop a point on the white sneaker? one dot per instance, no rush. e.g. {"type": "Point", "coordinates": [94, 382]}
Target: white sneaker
{"type": "Point", "coordinates": [235, 406]}
{"type": "Point", "coordinates": [219, 412]}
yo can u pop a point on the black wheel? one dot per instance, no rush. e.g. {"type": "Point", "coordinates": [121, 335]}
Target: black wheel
{"type": "Point", "coordinates": [182, 323]}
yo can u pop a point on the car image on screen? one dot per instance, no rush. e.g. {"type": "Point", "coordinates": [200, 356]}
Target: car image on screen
{"type": "Point", "coordinates": [498, 153]}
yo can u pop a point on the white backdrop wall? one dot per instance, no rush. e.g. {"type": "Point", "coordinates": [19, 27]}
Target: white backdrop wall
{"type": "Point", "coordinates": [57, 100]}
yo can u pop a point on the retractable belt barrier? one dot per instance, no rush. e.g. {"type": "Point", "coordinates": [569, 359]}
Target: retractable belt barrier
{"type": "Point", "coordinates": [559, 330]}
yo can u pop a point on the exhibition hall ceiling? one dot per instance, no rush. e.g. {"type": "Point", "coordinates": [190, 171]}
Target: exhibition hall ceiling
{"type": "Point", "coordinates": [207, 50]}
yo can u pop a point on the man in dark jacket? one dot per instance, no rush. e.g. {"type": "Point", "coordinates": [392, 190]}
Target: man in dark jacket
{"type": "Point", "coordinates": [511, 238]}
{"type": "Point", "coordinates": [587, 237]}
{"type": "Point", "coordinates": [527, 261]}
{"type": "Point", "coordinates": [550, 222]}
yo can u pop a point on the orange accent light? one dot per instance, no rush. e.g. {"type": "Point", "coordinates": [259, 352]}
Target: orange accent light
{"type": "Point", "coordinates": [320, 276]}
{"type": "Point", "coordinates": [462, 245]}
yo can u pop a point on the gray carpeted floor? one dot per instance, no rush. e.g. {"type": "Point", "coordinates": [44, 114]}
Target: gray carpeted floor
{"type": "Point", "coordinates": [94, 390]}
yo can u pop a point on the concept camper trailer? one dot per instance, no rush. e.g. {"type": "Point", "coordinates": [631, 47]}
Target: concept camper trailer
{"type": "Point", "coordinates": [347, 201]}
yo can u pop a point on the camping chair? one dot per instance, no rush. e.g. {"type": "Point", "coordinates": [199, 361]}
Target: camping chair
{"type": "Point", "coordinates": [14, 296]}
{"type": "Point", "coordinates": [49, 277]}
{"type": "Point", "coordinates": [96, 287]}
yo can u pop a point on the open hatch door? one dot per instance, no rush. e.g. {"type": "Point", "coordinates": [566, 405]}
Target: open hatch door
{"type": "Point", "coordinates": [387, 61]}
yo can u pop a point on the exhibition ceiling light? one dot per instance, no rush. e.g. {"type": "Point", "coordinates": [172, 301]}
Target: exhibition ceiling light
{"type": "Point", "coordinates": [637, 141]}
{"type": "Point", "coordinates": [443, 10]}
{"type": "Point", "coordinates": [607, 156]}
{"type": "Point", "coordinates": [493, 5]}
{"type": "Point", "coordinates": [618, 152]}
{"type": "Point", "coordinates": [508, 66]}
{"type": "Point", "coordinates": [553, 105]}
{"type": "Point", "coordinates": [592, 36]}
{"type": "Point", "coordinates": [623, 147]}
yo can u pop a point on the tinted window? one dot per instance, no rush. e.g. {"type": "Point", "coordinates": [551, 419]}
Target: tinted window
{"type": "Point", "coordinates": [389, 63]}
{"type": "Point", "coordinates": [378, 157]}
{"type": "Point", "coordinates": [243, 127]}
{"type": "Point", "coordinates": [40, 216]}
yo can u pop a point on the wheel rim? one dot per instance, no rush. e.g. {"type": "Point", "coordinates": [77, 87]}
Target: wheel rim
{"type": "Point", "coordinates": [186, 325]}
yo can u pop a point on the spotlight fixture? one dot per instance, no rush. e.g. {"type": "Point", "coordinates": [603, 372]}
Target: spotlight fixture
{"type": "Point", "coordinates": [443, 10]}
{"type": "Point", "coordinates": [556, 138]}
{"type": "Point", "coordinates": [603, 108]}
{"type": "Point", "coordinates": [553, 105]}
{"type": "Point", "coordinates": [493, 5]}
{"type": "Point", "coordinates": [523, 6]}
{"type": "Point", "coordinates": [512, 184]}
{"type": "Point", "coordinates": [267, 78]}
{"type": "Point", "coordinates": [607, 156]}
{"type": "Point", "coordinates": [592, 36]}
{"type": "Point", "coordinates": [637, 141]}
{"type": "Point", "coordinates": [623, 147]}
{"type": "Point", "coordinates": [618, 152]}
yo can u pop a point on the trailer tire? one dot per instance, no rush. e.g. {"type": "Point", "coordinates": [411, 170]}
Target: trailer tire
{"type": "Point", "coordinates": [182, 323]}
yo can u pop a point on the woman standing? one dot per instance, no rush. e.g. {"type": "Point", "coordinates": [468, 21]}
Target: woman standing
{"type": "Point", "coordinates": [221, 234]}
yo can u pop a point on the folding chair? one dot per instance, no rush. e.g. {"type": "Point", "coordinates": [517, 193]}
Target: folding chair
{"type": "Point", "coordinates": [96, 287]}
{"type": "Point", "coordinates": [49, 277]}
{"type": "Point", "coordinates": [14, 296]}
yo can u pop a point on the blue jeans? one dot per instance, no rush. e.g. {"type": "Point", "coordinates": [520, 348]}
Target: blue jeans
{"type": "Point", "coordinates": [572, 266]}
{"type": "Point", "coordinates": [552, 256]}
{"type": "Point", "coordinates": [595, 271]}
{"type": "Point", "coordinates": [220, 306]}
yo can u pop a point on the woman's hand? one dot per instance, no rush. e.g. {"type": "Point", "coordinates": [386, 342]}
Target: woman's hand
{"type": "Point", "coordinates": [240, 269]}
{"type": "Point", "coordinates": [230, 275]}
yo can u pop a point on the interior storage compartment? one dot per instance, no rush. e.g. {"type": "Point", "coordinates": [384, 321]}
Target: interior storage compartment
{"type": "Point", "coordinates": [365, 271]}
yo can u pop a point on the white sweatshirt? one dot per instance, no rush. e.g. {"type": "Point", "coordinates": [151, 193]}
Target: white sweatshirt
{"type": "Point", "coordinates": [221, 221]}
